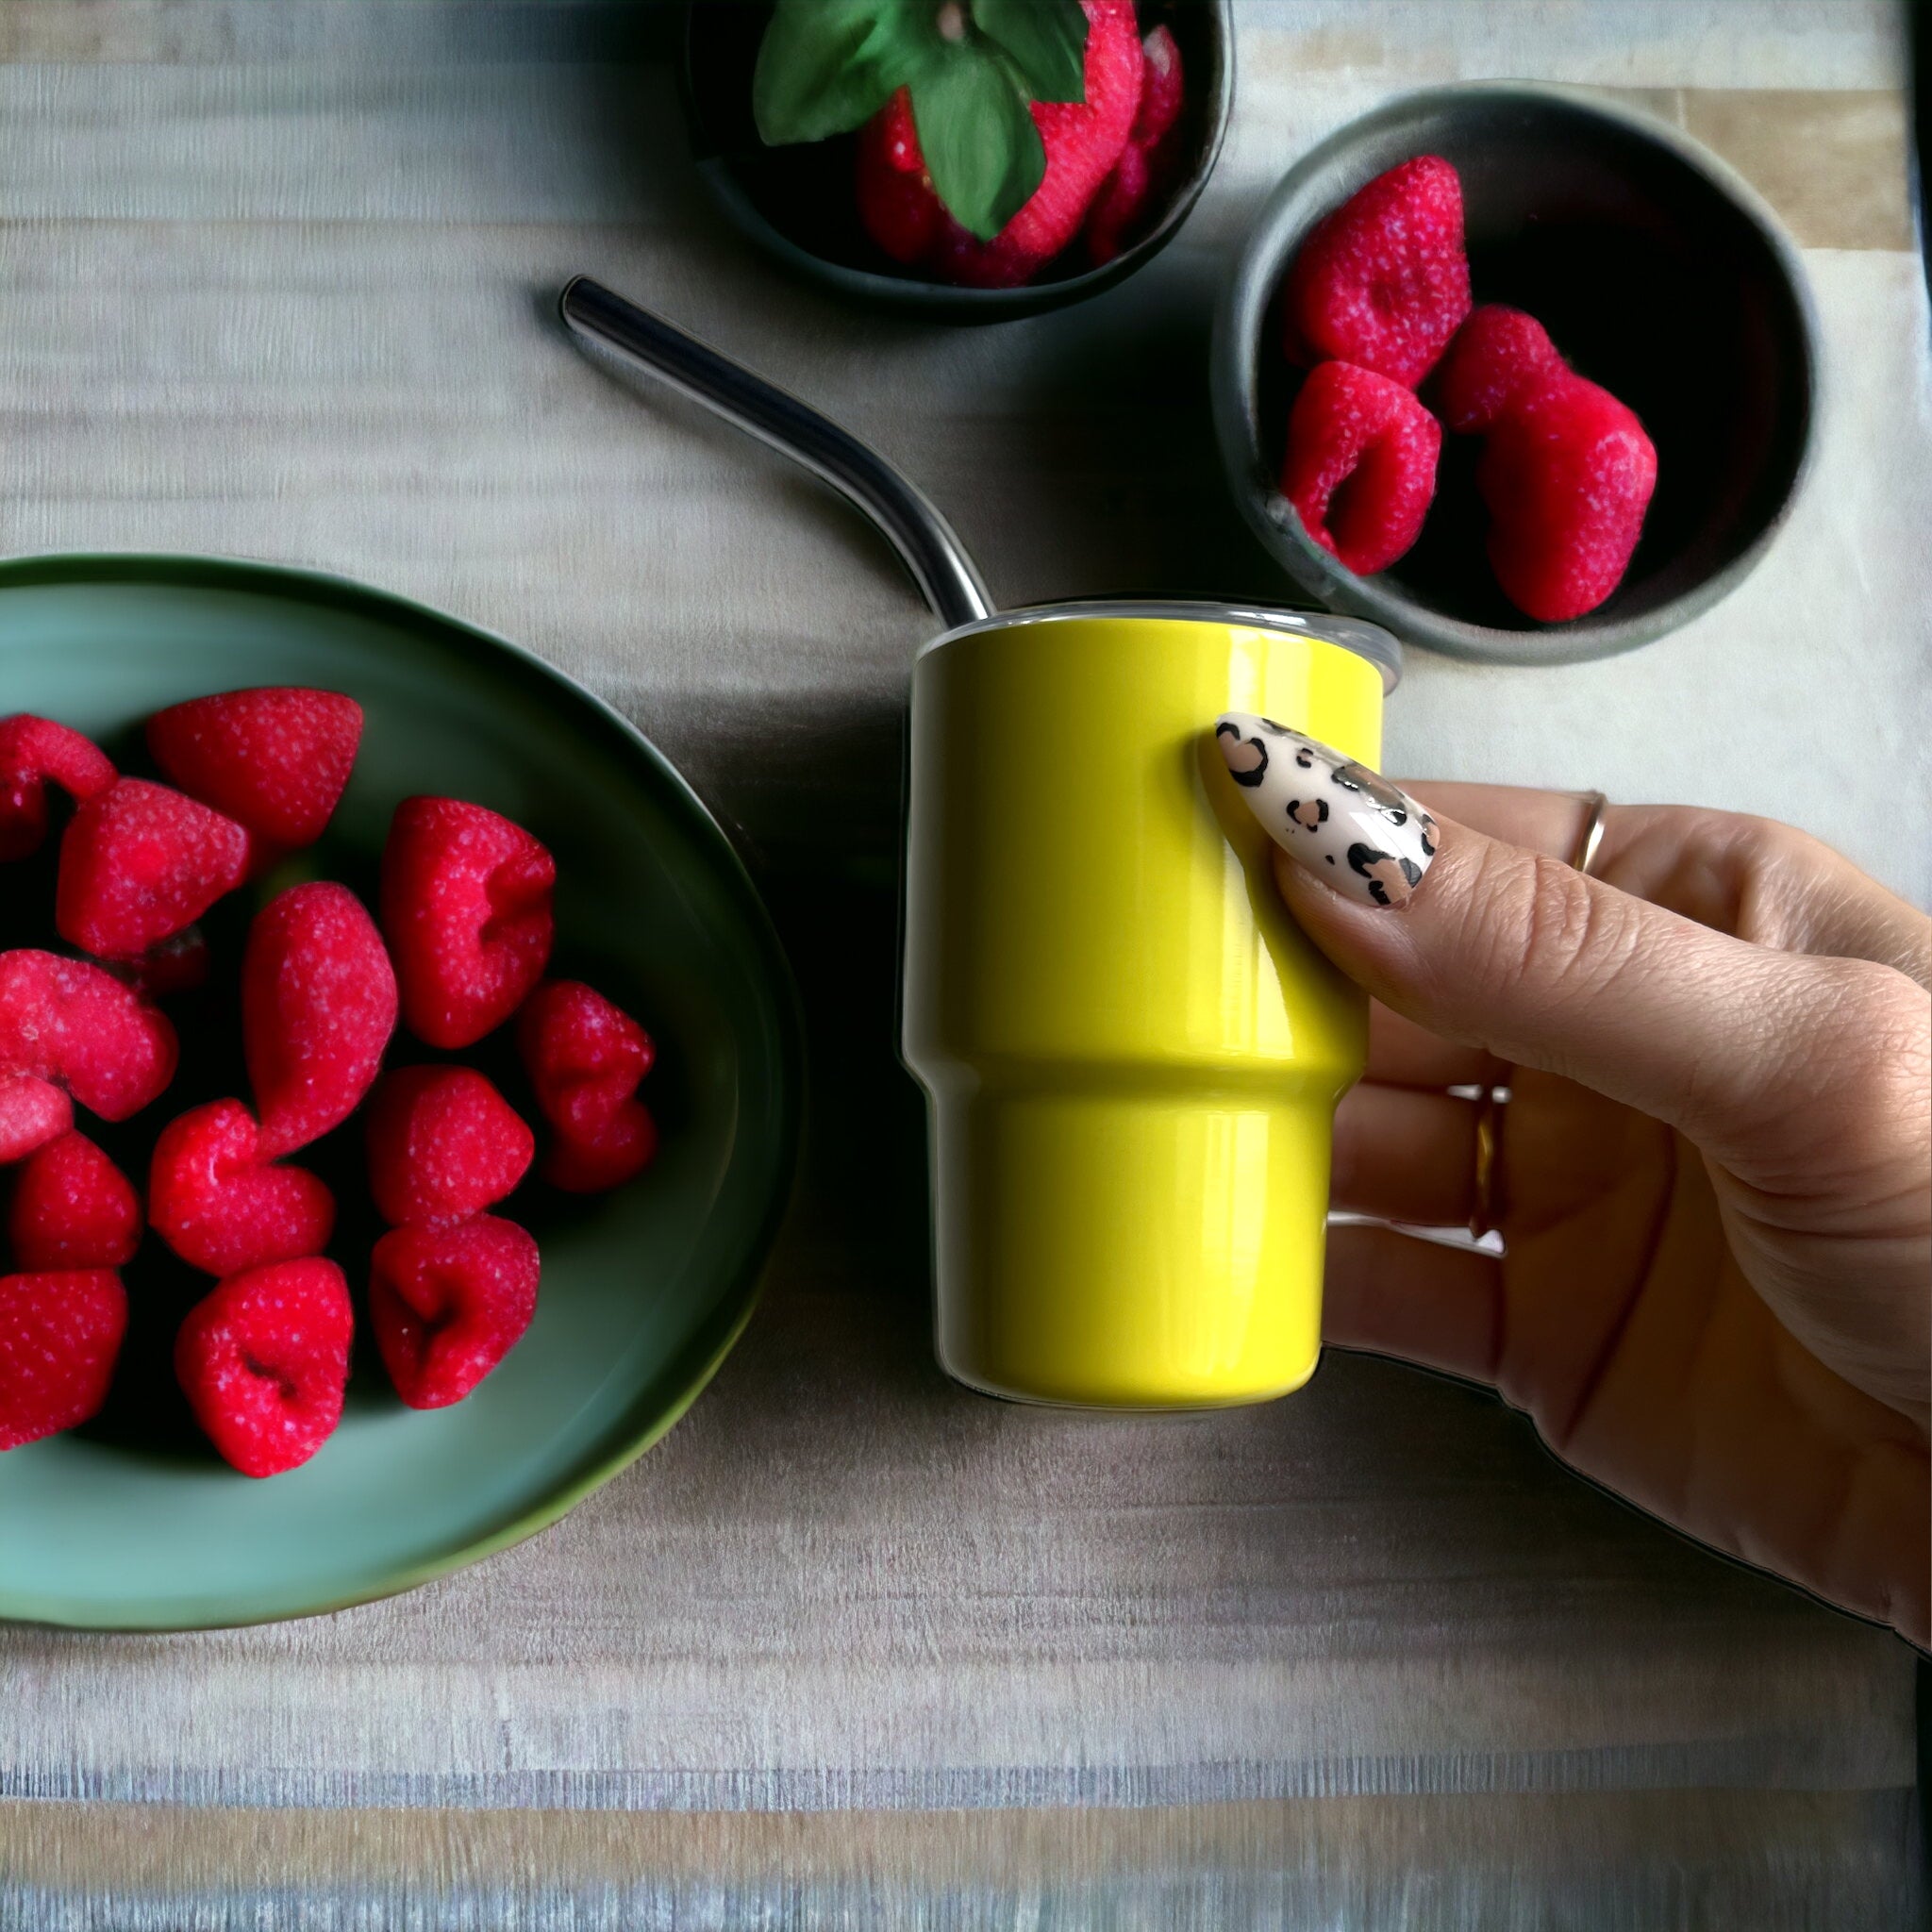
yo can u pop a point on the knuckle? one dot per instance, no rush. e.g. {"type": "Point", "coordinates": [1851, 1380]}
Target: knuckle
{"type": "Point", "coordinates": [1755, 877]}
{"type": "Point", "coordinates": [1877, 1006]}
{"type": "Point", "coordinates": [1572, 936]}
{"type": "Point", "coordinates": [1778, 873]}
{"type": "Point", "coordinates": [1532, 941]}
{"type": "Point", "coordinates": [1871, 1064]}
{"type": "Point", "coordinates": [1770, 845]}
{"type": "Point", "coordinates": [1531, 929]}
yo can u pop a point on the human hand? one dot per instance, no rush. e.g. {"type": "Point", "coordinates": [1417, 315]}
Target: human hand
{"type": "Point", "coordinates": [1713, 1174]}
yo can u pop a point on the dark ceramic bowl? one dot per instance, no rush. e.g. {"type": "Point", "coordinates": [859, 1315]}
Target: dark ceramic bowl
{"type": "Point", "coordinates": [798, 202]}
{"type": "Point", "coordinates": [1660, 273]}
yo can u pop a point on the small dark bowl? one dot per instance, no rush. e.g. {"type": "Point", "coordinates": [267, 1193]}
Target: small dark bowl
{"type": "Point", "coordinates": [1660, 273]}
{"type": "Point", "coordinates": [798, 202]}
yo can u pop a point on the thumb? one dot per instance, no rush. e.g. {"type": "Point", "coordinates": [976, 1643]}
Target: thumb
{"type": "Point", "coordinates": [1510, 950]}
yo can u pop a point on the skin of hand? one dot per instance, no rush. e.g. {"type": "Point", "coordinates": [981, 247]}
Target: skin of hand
{"type": "Point", "coordinates": [1713, 1176]}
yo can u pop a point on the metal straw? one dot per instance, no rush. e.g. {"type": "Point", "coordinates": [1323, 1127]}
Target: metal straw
{"type": "Point", "coordinates": [946, 575]}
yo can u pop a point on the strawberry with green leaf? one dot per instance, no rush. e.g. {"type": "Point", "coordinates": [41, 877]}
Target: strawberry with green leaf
{"type": "Point", "coordinates": [988, 127]}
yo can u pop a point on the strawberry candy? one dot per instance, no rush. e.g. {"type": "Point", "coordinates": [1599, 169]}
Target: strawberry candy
{"type": "Point", "coordinates": [318, 1007]}
{"type": "Point", "coordinates": [1360, 467]}
{"type": "Point", "coordinates": [595, 1165]}
{"type": "Point", "coordinates": [1144, 162]}
{"type": "Point", "coordinates": [1498, 355]}
{"type": "Point", "coordinates": [71, 1023]}
{"type": "Point", "coordinates": [28, 1009]}
{"type": "Point", "coordinates": [35, 752]}
{"type": "Point", "coordinates": [896, 202]}
{"type": "Point", "coordinates": [585, 1057]}
{"type": "Point", "coordinates": [32, 1112]}
{"type": "Point", "coordinates": [466, 911]}
{"type": "Point", "coordinates": [60, 1335]}
{"type": "Point", "coordinates": [274, 761]}
{"type": "Point", "coordinates": [264, 1360]}
{"type": "Point", "coordinates": [216, 1201]}
{"type": "Point", "coordinates": [1083, 140]}
{"type": "Point", "coordinates": [1163, 86]}
{"type": "Point", "coordinates": [443, 1144]}
{"type": "Point", "coordinates": [448, 1304]}
{"type": "Point", "coordinates": [137, 863]}
{"type": "Point", "coordinates": [1567, 473]}
{"type": "Point", "coordinates": [1118, 206]}
{"type": "Point", "coordinates": [73, 1208]}
{"type": "Point", "coordinates": [1383, 282]}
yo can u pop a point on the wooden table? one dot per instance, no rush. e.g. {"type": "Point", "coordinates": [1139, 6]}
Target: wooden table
{"type": "Point", "coordinates": [852, 1646]}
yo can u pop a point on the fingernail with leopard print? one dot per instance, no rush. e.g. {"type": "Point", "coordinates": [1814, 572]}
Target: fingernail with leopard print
{"type": "Point", "coordinates": [1355, 831]}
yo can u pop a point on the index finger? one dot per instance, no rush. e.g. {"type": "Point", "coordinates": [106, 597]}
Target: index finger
{"type": "Point", "coordinates": [1755, 878]}
{"type": "Point", "coordinates": [1400, 1053]}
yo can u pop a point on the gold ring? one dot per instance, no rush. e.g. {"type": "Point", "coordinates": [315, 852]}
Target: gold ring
{"type": "Point", "coordinates": [1592, 835]}
{"type": "Point", "coordinates": [1485, 1207]}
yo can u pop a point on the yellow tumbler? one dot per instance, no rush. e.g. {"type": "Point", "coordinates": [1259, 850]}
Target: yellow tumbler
{"type": "Point", "coordinates": [1131, 1055]}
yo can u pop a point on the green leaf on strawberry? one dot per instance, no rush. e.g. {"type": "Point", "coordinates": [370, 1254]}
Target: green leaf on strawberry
{"type": "Point", "coordinates": [1045, 42]}
{"type": "Point", "coordinates": [972, 67]}
{"type": "Point", "coordinates": [982, 150]}
{"type": "Point", "coordinates": [826, 66]}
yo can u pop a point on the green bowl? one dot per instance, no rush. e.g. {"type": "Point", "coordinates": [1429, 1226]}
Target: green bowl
{"type": "Point", "coordinates": [131, 1523]}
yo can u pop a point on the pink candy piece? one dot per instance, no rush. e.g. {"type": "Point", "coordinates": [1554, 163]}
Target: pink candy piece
{"type": "Point", "coordinates": [1360, 464]}
{"type": "Point", "coordinates": [35, 752]}
{"type": "Point", "coordinates": [32, 1112]}
{"type": "Point", "coordinates": [221, 1207]}
{"type": "Point", "coordinates": [448, 1304]}
{"type": "Point", "coordinates": [318, 1007]}
{"type": "Point", "coordinates": [465, 907]}
{"type": "Point", "coordinates": [1567, 473]}
{"type": "Point", "coordinates": [1383, 283]}
{"type": "Point", "coordinates": [1121, 204]}
{"type": "Point", "coordinates": [73, 1208]}
{"type": "Point", "coordinates": [137, 863]}
{"type": "Point", "coordinates": [264, 1360]}
{"type": "Point", "coordinates": [274, 760]}
{"type": "Point", "coordinates": [60, 1333]}
{"type": "Point", "coordinates": [74, 1023]}
{"type": "Point", "coordinates": [585, 1057]}
{"type": "Point", "coordinates": [443, 1144]}
{"type": "Point", "coordinates": [1498, 355]}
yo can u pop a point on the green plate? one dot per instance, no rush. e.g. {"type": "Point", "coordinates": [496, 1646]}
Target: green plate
{"type": "Point", "coordinates": [131, 1523]}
